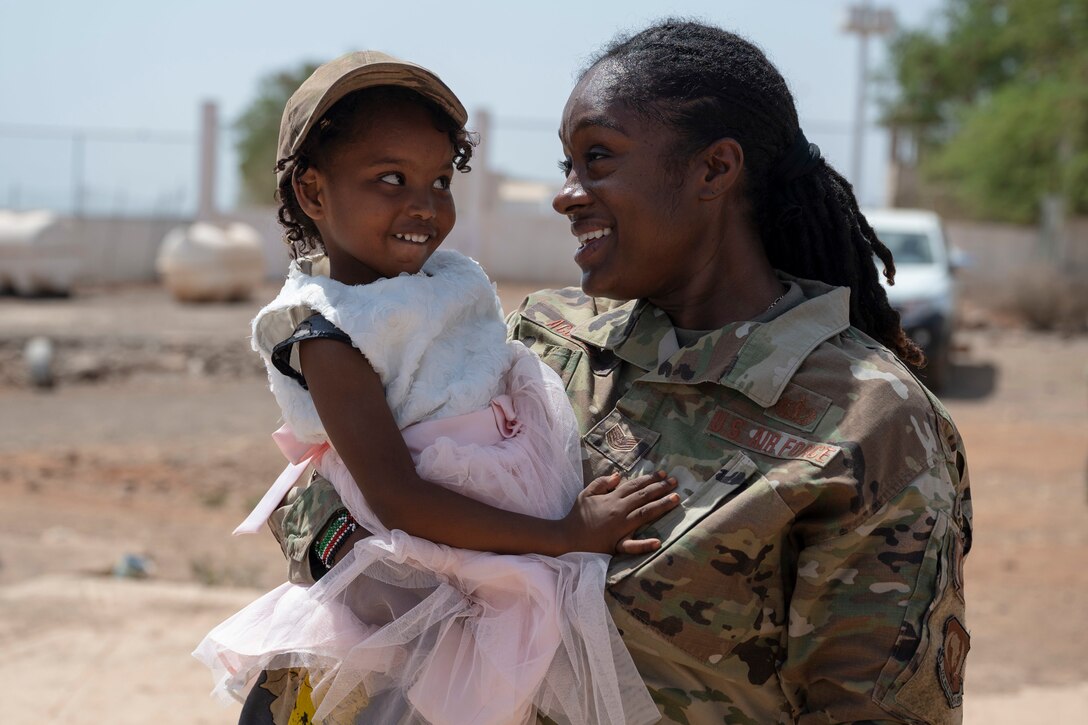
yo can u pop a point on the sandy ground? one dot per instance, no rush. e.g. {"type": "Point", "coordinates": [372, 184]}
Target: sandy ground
{"type": "Point", "coordinates": [154, 444]}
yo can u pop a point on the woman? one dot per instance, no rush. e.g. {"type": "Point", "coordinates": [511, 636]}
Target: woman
{"type": "Point", "coordinates": [731, 330]}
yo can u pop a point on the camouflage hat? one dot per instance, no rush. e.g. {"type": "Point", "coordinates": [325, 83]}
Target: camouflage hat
{"type": "Point", "coordinates": [353, 72]}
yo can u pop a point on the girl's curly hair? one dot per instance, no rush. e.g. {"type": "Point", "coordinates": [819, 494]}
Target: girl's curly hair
{"type": "Point", "coordinates": [344, 122]}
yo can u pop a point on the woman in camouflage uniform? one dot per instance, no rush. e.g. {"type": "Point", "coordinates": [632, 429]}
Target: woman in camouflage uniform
{"type": "Point", "coordinates": [731, 329]}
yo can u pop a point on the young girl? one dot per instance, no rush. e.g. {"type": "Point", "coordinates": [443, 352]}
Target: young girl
{"type": "Point", "coordinates": [395, 379]}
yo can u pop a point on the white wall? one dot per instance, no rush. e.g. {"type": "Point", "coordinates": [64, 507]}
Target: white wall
{"type": "Point", "coordinates": [116, 249]}
{"type": "Point", "coordinates": [998, 252]}
{"type": "Point", "coordinates": [519, 242]}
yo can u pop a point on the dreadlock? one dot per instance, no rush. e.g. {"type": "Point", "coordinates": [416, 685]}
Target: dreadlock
{"type": "Point", "coordinates": [708, 84]}
{"type": "Point", "coordinates": [345, 122]}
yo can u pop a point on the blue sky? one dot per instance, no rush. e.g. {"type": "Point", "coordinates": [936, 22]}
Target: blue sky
{"type": "Point", "coordinates": [122, 64]}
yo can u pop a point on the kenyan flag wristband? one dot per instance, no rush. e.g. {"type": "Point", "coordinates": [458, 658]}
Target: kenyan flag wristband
{"type": "Point", "coordinates": [336, 533]}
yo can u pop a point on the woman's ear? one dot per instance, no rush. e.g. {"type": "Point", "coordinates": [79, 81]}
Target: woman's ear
{"type": "Point", "coordinates": [309, 192]}
{"type": "Point", "coordinates": [722, 164]}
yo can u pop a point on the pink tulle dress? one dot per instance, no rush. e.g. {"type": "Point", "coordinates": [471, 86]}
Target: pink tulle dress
{"type": "Point", "coordinates": [403, 630]}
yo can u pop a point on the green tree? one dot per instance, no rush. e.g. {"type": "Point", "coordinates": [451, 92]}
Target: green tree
{"type": "Point", "coordinates": [996, 97]}
{"type": "Point", "coordinates": [258, 130]}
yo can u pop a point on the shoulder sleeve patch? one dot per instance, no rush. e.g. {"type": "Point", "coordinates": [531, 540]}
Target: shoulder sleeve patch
{"type": "Point", "coordinates": [951, 660]}
{"type": "Point", "coordinates": [927, 683]}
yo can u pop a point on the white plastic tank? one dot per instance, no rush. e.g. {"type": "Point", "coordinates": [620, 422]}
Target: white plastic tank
{"type": "Point", "coordinates": [38, 254]}
{"type": "Point", "coordinates": [206, 262]}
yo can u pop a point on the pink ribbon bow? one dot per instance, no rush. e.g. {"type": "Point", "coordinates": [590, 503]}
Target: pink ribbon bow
{"type": "Point", "coordinates": [300, 455]}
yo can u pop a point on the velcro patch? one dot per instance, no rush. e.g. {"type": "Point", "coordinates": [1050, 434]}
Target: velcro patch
{"type": "Point", "coordinates": [619, 440]}
{"type": "Point", "coordinates": [770, 442]}
{"type": "Point", "coordinates": [561, 327]}
{"type": "Point", "coordinates": [951, 659]}
{"type": "Point", "coordinates": [799, 407]}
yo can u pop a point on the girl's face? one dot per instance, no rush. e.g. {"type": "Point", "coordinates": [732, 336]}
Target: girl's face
{"type": "Point", "coordinates": [637, 218]}
{"type": "Point", "coordinates": [382, 201]}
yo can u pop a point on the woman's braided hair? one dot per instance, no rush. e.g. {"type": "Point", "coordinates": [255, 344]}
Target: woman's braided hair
{"type": "Point", "coordinates": [708, 84]}
{"type": "Point", "coordinates": [344, 122]}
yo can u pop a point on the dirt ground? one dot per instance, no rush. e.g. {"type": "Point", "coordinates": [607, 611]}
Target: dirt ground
{"type": "Point", "coordinates": [155, 442]}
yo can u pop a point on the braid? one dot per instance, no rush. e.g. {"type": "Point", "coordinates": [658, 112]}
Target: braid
{"type": "Point", "coordinates": [812, 228]}
{"type": "Point", "coordinates": [708, 84]}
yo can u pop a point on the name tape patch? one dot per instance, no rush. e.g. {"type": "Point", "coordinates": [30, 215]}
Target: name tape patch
{"type": "Point", "coordinates": [799, 408]}
{"type": "Point", "coordinates": [770, 442]}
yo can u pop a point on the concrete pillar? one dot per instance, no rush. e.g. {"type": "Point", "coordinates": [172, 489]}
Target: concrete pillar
{"type": "Point", "coordinates": [209, 139]}
{"type": "Point", "coordinates": [472, 204]}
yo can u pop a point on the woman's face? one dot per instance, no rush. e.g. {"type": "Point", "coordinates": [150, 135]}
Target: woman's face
{"type": "Point", "coordinates": [636, 216]}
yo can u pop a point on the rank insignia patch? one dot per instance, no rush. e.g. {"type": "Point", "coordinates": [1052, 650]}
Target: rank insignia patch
{"type": "Point", "coordinates": [619, 440]}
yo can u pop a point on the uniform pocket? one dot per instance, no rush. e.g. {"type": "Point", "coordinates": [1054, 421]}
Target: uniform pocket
{"type": "Point", "coordinates": [737, 471]}
{"type": "Point", "coordinates": [714, 590]}
{"type": "Point", "coordinates": [562, 360]}
{"type": "Point", "coordinates": [924, 680]}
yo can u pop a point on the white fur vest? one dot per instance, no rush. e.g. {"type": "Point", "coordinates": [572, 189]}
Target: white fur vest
{"type": "Point", "coordinates": [436, 339]}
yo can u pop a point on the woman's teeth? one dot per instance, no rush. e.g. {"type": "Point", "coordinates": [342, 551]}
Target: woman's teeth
{"type": "Point", "coordinates": [417, 238]}
{"type": "Point", "coordinates": [597, 234]}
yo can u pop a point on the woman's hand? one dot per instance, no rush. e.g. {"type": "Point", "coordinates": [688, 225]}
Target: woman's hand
{"type": "Point", "coordinates": [610, 509]}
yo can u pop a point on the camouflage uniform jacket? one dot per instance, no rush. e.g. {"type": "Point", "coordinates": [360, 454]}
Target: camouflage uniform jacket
{"type": "Point", "coordinates": [813, 573]}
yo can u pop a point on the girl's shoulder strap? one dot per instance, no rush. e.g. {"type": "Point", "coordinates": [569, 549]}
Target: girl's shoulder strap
{"type": "Point", "coordinates": [314, 327]}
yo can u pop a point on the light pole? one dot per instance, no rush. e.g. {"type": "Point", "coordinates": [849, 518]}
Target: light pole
{"type": "Point", "coordinates": [79, 184]}
{"type": "Point", "coordinates": [865, 20]}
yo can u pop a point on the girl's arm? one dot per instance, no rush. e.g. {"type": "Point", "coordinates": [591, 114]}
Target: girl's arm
{"type": "Point", "coordinates": [350, 400]}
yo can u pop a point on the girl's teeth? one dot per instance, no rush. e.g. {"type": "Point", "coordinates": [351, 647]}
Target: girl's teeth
{"type": "Point", "coordinates": [596, 234]}
{"type": "Point", "coordinates": [417, 238]}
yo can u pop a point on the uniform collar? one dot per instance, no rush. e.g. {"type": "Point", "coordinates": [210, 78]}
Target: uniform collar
{"type": "Point", "coordinates": [755, 359]}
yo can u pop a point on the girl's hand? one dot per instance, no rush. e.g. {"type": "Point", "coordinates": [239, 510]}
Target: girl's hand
{"type": "Point", "coordinates": [609, 510]}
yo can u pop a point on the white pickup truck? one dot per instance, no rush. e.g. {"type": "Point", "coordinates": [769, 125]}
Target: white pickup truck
{"type": "Point", "coordinates": [924, 292]}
